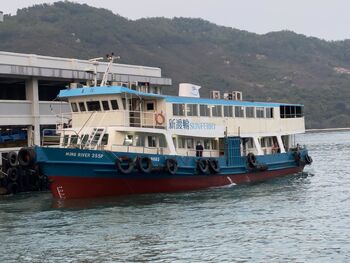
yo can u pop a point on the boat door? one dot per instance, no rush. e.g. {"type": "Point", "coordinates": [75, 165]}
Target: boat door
{"type": "Point", "coordinates": [135, 106]}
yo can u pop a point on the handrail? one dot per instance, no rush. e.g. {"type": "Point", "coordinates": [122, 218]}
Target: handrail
{"type": "Point", "coordinates": [57, 134]}
{"type": "Point", "coordinates": [158, 150]}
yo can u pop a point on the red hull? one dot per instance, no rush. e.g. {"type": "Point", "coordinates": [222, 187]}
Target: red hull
{"type": "Point", "coordinates": [66, 187]}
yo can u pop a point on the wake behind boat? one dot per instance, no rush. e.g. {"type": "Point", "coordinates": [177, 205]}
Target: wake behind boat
{"type": "Point", "coordinates": [132, 139]}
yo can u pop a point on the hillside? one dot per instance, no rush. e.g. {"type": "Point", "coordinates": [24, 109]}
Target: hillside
{"type": "Point", "coordinates": [279, 66]}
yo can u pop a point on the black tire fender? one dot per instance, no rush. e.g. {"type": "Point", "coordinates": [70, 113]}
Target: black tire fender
{"type": "Point", "coordinates": [214, 165]}
{"type": "Point", "coordinates": [141, 162]}
{"type": "Point", "coordinates": [12, 158]}
{"type": "Point", "coordinates": [26, 157]}
{"type": "Point", "coordinates": [251, 159]}
{"type": "Point", "coordinates": [120, 163]}
{"type": "Point", "coordinates": [203, 165]}
{"type": "Point", "coordinates": [12, 174]}
{"type": "Point", "coordinates": [308, 159]}
{"type": "Point", "coordinates": [171, 166]}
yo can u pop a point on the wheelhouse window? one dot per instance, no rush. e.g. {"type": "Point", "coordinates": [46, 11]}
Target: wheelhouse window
{"type": "Point", "coordinates": [228, 111]}
{"type": "Point", "coordinates": [269, 112]}
{"type": "Point", "coordinates": [259, 112]}
{"type": "Point", "coordinates": [216, 111]}
{"type": "Point", "coordinates": [291, 111]}
{"type": "Point", "coordinates": [82, 106]}
{"type": "Point", "coordinates": [114, 104]}
{"type": "Point", "coordinates": [192, 109]}
{"type": "Point", "coordinates": [93, 105]}
{"type": "Point", "coordinates": [150, 106]}
{"type": "Point", "coordinates": [249, 112]}
{"type": "Point", "coordinates": [74, 107]}
{"type": "Point", "coordinates": [105, 105]}
{"type": "Point", "coordinates": [179, 109]}
{"type": "Point", "coordinates": [204, 110]}
{"type": "Point", "coordinates": [239, 111]}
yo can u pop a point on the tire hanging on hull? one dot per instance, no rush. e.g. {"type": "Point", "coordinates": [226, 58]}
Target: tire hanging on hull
{"type": "Point", "coordinates": [121, 162]}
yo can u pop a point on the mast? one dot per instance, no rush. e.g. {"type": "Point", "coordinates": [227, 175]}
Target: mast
{"type": "Point", "coordinates": [111, 59]}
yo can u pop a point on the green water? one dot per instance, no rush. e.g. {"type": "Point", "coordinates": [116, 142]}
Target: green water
{"type": "Point", "coordinates": [299, 218]}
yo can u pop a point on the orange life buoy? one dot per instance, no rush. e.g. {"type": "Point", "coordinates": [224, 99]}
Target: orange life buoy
{"type": "Point", "coordinates": [159, 118]}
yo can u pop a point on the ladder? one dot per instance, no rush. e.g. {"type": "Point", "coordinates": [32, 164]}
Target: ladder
{"type": "Point", "coordinates": [95, 138]}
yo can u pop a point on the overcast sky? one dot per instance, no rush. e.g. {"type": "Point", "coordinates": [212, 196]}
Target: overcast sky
{"type": "Point", "coordinates": [327, 19]}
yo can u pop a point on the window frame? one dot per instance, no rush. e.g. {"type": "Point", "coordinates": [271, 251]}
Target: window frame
{"type": "Point", "coordinates": [206, 110]}
{"type": "Point", "coordinates": [250, 112]}
{"type": "Point", "coordinates": [216, 111]}
{"type": "Point", "coordinates": [228, 111]}
{"type": "Point", "coordinates": [239, 111]}
{"type": "Point", "coordinates": [93, 101]}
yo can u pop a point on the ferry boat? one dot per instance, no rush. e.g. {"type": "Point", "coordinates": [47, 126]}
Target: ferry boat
{"type": "Point", "coordinates": [132, 139]}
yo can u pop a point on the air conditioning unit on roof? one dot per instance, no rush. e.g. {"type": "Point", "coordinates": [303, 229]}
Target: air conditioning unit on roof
{"type": "Point", "coordinates": [215, 94]}
{"type": "Point", "coordinates": [237, 95]}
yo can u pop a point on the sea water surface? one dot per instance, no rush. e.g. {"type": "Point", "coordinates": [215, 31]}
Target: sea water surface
{"type": "Point", "coordinates": [299, 218]}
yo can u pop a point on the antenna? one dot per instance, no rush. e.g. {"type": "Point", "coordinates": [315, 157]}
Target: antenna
{"type": "Point", "coordinates": [111, 59]}
{"type": "Point", "coordinates": [95, 63]}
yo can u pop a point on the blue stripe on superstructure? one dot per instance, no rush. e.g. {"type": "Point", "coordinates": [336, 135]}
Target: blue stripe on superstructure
{"type": "Point", "coordinates": [109, 90]}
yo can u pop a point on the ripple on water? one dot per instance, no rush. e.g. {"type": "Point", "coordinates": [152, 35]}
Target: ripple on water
{"type": "Point", "coordinates": [299, 218]}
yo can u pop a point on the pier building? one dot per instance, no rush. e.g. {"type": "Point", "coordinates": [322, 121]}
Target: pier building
{"type": "Point", "coordinates": [30, 83]}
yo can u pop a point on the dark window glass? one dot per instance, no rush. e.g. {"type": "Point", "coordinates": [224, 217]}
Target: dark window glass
{"type": "Point", "coordinates": [299, 111]}
{"type": "Point", "coordinates": [74, 107]}
{"type": "Point", "coordinates": [269, 112]}
{"type": "Point", "coordinates": [228, 111]}
{"type": "Point", "coordinates": [93, 105]}
{"type": "Point", "coordinates": [105, 105]}
{"type": "Point", "coordinates": [82, 106]}
{"type": "Point", "coordinates": [282, 112]}
{"type": "Point", "coordinates": [217, 111]}
{"type": "Point", "coordinates": [249, 112]}
{"type": "Point", "coordinates": [239, 111]}
{"type": "Point", "coordinates": [204, 110]}
{"type": "Point", "coordinates": [151, 141]}
{"type": "Point", "coordinates": [114, 104]}
{"type": "Point", "coordinates": [179, 109]}
{"type": "Point", "coordinates": [104, 140]}
{"type": "Point", "coordinates": [259, 112]}
{"type": "Point", "coordinates": [150, 106]}
{"type": "Point", "coordinates": [192, 109]}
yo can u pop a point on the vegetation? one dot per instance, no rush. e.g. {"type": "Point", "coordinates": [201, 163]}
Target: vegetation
{"type": "Point", "coordinates": [278, 66]}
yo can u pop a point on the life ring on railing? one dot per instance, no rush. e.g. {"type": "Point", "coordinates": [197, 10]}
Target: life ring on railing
{"type": "Point", "coordinates": [251, 159]}
{"type": "Point", "coordinates": [124, 164]}
{"type": "Point", "coordinates": [214, 165]}
{"type": "Point", "coordinates": [203, 165]}
{"type": "Point", "coordinates": [171, 166]}
{"type": "Point", "coordinates": [159, 118]}
{"type": "Point", "coordinates": [144, 164]}
{"type": "Point", "coordinates": [308, 159]}
{"type": "Point", "coordinates": [26, 157]}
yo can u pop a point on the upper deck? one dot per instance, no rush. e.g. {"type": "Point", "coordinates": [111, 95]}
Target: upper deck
{"type": "Point", "coordinates": [199, 117]}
